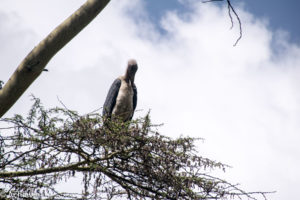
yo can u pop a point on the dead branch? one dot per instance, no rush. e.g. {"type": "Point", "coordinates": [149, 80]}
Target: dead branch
{"type": "Point", "coordinates": [34, 63]}
{"type": "Point", "coordinates": [231, 9]}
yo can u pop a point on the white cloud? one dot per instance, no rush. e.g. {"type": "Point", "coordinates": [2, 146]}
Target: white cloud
{"type": "Point", "coordinates": [244, 100]}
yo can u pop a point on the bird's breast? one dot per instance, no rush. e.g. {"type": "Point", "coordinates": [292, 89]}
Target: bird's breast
{"type": "Point", "coordinates": [124, 102]}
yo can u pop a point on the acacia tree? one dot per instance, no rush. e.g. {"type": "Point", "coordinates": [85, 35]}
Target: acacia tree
{"type": "Point", "coordinates": [114, 159]}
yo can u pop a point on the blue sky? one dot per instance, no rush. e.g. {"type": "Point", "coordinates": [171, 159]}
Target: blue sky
{"type": "Point", "coordinates": [244, 100]}
{"type": "Point", "coordinates": [281, 14]}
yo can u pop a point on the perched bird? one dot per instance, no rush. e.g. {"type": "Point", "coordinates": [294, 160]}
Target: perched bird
{"type": "Point", "coordinates": [121, 99]}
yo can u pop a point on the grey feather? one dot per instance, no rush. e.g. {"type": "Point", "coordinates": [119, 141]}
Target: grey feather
{"type": "Point", "coordinates": [111, 98]}
{"type": "Point", "coordinates": [134, 99]}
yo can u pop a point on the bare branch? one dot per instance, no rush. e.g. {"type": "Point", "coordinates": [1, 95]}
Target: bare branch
{"type": "Point", "coordinates": [231, 9]}
{"type": "Point", "coordinates": [34, 63]}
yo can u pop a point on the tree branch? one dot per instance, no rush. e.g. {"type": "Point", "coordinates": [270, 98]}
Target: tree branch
{"type": "Point", "coordinates": [231, 8]}
{"type": "Point", "coordinates": [34, 63]}
{"type": "Point", "coordinates": [75, 166]}
{"type": "Point", "coordinates": [41, 171]}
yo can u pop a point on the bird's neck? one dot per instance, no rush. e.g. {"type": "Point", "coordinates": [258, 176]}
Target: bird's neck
{"type": "Point", "coordinates": [128, 78]}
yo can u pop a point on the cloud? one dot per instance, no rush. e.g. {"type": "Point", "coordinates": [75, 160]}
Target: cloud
{"type": "Point", "coordinates": [243, 100]}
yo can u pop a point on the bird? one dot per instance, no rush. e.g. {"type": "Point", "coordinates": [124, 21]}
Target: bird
{"type": "Point", "coordinates": [121, 100]}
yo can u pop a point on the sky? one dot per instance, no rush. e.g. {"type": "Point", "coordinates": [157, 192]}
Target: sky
{"type": "Point", "coordinates": [280, 14]}
{"type": "Point", "coordinates": [244, 100]}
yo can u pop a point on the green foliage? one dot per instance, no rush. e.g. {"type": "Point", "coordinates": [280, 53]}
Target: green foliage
{"type": "Point", "coordinates": [115, 159]}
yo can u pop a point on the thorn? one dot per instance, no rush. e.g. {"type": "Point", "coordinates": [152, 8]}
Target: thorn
{"type": "Point", "coordinates": [45, 70]}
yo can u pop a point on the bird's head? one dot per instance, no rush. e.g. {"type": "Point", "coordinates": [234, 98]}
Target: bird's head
{"type": "Point", "coordinates": [132, 67]}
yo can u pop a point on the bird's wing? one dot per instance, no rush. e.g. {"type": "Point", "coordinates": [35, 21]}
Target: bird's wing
{"type": "Point", "coordinates": [134, 99]}
{"type": "Point", "coordinates": [111, 98]}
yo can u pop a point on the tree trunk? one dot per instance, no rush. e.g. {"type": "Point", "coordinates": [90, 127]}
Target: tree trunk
{"type": "Point", "coordinates": [34, 63]}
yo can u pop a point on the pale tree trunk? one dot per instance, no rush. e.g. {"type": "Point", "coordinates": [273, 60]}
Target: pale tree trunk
{"type": "Point", "coordinates": [34, 63]}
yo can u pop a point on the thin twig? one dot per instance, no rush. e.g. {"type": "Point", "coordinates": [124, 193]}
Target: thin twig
{"type": "Point", "coordinates": [230, 8]}
{"type": "Point", "coordinates": [230, 16]}
{"type": "Point", "coordinates": [238, 18]}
